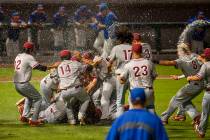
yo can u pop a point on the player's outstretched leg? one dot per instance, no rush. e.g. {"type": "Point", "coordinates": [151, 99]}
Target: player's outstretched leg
{"type": "Point", "coordinates": [202, 127]}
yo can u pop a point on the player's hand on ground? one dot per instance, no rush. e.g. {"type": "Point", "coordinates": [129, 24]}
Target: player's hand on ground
{"type": "Point", "coordinates": [174, 77]}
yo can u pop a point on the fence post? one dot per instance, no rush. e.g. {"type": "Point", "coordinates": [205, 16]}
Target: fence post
{"type": "Point", "coordinates": [157, 38]}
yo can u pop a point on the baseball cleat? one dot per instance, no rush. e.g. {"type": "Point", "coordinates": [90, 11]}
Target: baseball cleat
{"type": "Point", "coordinates": [23, 119]}
{"type": "Point", "coordinates": [35, 123]}
{"type": "Point", "coordinates": [196, 120]}
{"type": "Point", "coordinates": [82, 121]}
{"type": "Point", "coordinates": [200, 134]}
{"type": "Point", "coordinates": [72, 122]}
{"type": "Point", "coordinates": [179, 118]}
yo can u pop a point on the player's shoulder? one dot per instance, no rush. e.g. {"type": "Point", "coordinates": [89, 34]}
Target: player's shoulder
{"type": "Point", "coordinates": [124, 46]}
{"type": "Point", "coordinates": [146, 45]}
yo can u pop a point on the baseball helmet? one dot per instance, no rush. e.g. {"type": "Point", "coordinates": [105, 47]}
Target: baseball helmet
{"type": "Point", "coordinates": [137, 48]}
{"type": "Point", "coordinates": [61, 8]}
{"type": "Point", "coordinates": [15, 14]}
{"type": "Point", "coordinates": [103, 6]}
{"type": "Point", "coordinates": [207, 53]}
{"type": "Point", "coordinates": [64, 53]}
{"type": "Point", "coordinates": [28, 45]}
{"type": "Point", "coordinates": [137, 94]}
{"type": "Point", "coordinates": [40, 7]}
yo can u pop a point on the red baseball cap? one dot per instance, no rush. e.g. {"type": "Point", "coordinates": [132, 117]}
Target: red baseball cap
{"type": "Point", "coordinates": [137, 48]}
{"type": "Point", "coordinates": [64, 53]}
{"type": "Point", "coordinates": [207, 53]}
{"type": "Point", "coordinates": [28, 45]}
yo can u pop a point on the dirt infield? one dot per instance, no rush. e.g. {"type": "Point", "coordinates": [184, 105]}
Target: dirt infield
{"type": "Point", "coordinates": [5, 79]}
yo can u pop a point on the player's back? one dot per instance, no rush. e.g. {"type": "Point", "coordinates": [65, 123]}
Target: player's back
{"type": "Point", "coordinates": [69, 73]}
{"type": "Point", "coordinates": [189, 64]}
{"type": "Point", "coordinates": [24, 63]}
{"type": "Point", "coordinates": [122, 54]}
{"type": "Point", "coordinates": [146, 51]}
{"type": "Point", "coordinates": [141, 73]}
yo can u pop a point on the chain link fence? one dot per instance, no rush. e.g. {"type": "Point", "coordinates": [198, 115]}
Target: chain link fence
{"type": "Point", "coordinates": [162, 37]}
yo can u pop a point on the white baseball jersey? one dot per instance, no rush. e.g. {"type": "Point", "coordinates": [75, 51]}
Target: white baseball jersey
{"type": "Point", "coordinates": [189, 64]}
{"type": "Point", "coordinates": [122, 54]}
{"type": "Point", "coordinates": [54, 113]}
{"type": "Point", "coordinates": [24, 63]}
{"type": "Point", "coordinates": [51, 80]}
{"type": "Point", "coordinates": [204, 73]}
{"type": "Point", "coordinates": [146, 51]}
{"type": "Point", "coordinates": [102, 69]}
{"type": "Point", "coordinates": [141, 73]}
{"type": "Point", "coordinates": [69, 73]}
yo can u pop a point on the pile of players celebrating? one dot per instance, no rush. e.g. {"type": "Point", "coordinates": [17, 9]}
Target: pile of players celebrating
{"type": "Point", "coordinates": [90, 89]}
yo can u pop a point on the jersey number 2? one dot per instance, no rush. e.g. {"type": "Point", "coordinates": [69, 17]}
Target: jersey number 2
{"type": "Point", "coordinates": [17, 64]}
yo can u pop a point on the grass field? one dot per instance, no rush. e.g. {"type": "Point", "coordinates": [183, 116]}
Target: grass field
{"type": "Point", "coordinates": [11, 128]}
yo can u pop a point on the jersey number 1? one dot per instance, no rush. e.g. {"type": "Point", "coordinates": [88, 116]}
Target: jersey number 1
{"type": "Point", "coordinates": [127, 54]}
{"type": "Point", "coordinates": [66, 70]}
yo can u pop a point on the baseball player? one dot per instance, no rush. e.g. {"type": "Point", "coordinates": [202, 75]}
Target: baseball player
{"type": "Point", "coordinates": [36, 19]}
{"type": "Point", "coordinates": [190, 65]}
{"type": "Point", "coordinates": [2, 19]}
{"type": "Point", "coordinates": [91, 80]}
{"type": "Point", "coordinates": [12, 42]}
{"type": "Point", "coordinates": [108, 102]}
{"type": "Point", "coordinates": [107, 21]}
{"type": "Point", "coordinates": [194, 35]}
{"type": "Point", "coordinates": [200, 16]}
{"type": "Point", "coordinates": [24, 63]}
{"type": "Point", "coordinates": [204, 73]}
{"type": "Point", "coordinates": [69, 73]}
{"type": "Point", "coordinates": [121, 54]}
{"type": "Point", "coordinates": [82, 19]}
{"type": "Point", "coordinates": [55, 113]}
{"type": "Point", "coordinates": [60, 22]}
{"type": "Point", "coordinates": [146, 48]}
{"type": "Point", "coordinates": [48, 85]}
{"type": "Point", "coordinates": [141, 74]}
{"type": "Point", "coordinates": [137, 124]}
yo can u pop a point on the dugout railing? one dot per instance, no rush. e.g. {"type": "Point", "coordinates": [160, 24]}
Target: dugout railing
{"type": "Point", "coordinates": [162, 36]}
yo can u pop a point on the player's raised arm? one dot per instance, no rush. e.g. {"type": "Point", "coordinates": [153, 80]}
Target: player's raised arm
{"type": "Point", "coordinates": [167, 63]}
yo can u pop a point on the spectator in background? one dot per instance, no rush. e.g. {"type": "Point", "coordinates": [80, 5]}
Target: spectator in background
{"type": "Point", "coordinates": [107, 18]}
{"type": "Point", "coordinates": [2, 17]}
{"type": "Point", "coordinates": [137, 123]}
{"type": "Point", "coordinates": [60, 22]}
{"type": "Point", "coordinates": [12, 42]}
{"type": "Point", "coordinates": [36, 19]}
{"type": "Point", "coordinates": [199, 16]}
{"type": "Point", "coordinates": [83, 17]}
